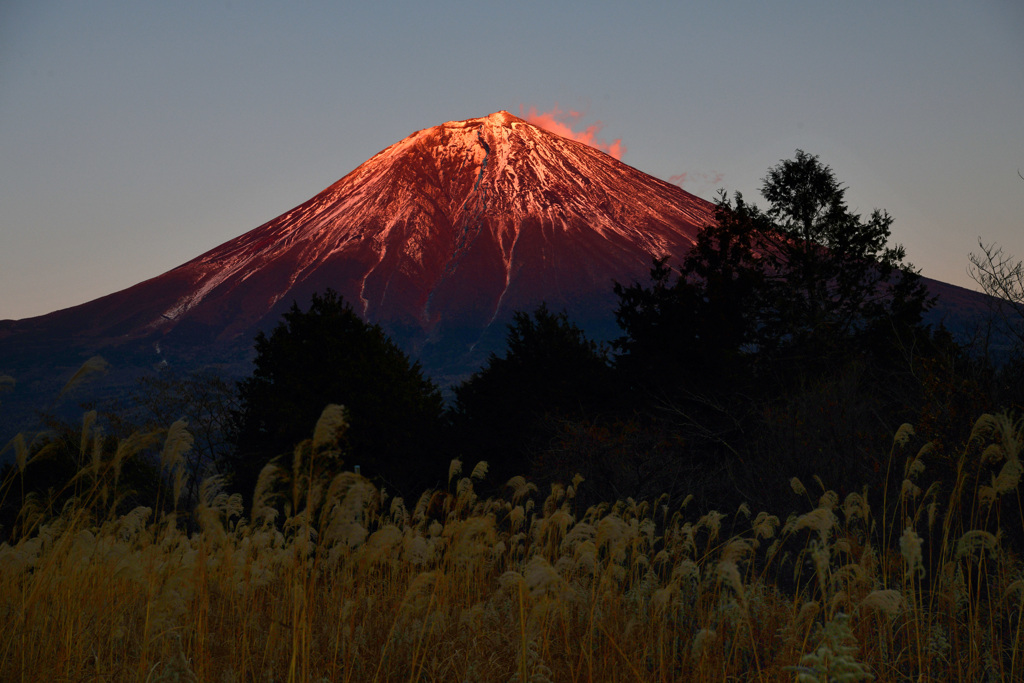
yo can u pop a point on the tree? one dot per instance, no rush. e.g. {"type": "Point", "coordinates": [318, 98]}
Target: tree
{"type": "Point", "coordinates": [205, 399]}
{"type": "Point", "coordinates": [1002, 277]}
{"type": "Point", "coordinates": [326, 355]}
{"type": "Point", "coordinates": [773, 314]}
{"type": "Point", "coordinates": [802, 282]}
{"type": "Point", "coordinates": [550, 371]}
{"type": "Point", "coordinates": [691, 330]}
{"type": "Point", "coordinates": [838, 278]}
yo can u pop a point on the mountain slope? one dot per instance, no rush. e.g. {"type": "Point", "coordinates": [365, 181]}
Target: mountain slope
{"type": "Point", "coordinates": [439, 238]}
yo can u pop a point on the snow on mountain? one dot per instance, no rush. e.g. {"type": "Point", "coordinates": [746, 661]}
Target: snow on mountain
{"type": "Point", "coordinates": [459, 223]}
{"type": "Point", "coordinates": [439, 238]}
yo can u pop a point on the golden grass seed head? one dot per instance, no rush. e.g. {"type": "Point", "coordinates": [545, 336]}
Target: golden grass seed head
{"type": "Point", "coordinates": [712, 521]}
{"type": "Point", "coordinates": [129, 447]}
{"type": "Point", "coordinates": [330, 426]}
{"type": "Point", "coordinates": [797, 486]}
{"type": "Point", "coordinates": [480, 471]}
{"type": "Point", "coordinates": [903, 434]}
{"type": "Point", "coordinates": [993, 453]}
{"type": "Point", "coordinates": [820, 555]}
{"type": "Point", "coordinates": [416, 550]}
{"type": "Point", "coordinates": [454, 469]}
{"type": "Point", "coordinates": [915, 468]}
{"type": "Point", "coordinates": [909, 490]}
{"type": "Point", "coordinates": [90, 368]}
{"type": "Point", "coordinates": [974, 540]}
{"type": "Point", "coordinates": [910, 548]}
{"type": "Point", "coordinates": [729, 574]}
{"type": "Point", "coordinates": [464, 489]}
{"type": "Point", "coordinates": [399, 515]}
{"type": "Point", "coordinates": [703, 641]}
{"type": "Point", "coordinates": [685, 574]}
{"type": "Point", "coordinates": [663, 599]}
{"type": "Point", "coordinates": [1008, 477]}
{"type": "Point", "coordinates": [856, 507]}
{"type": "Point", "coordinates": [984, 426]}
{"type": "Point", "coordinates": [520, 488]}
{"type": "Point", "coordinates": [829, 499]}
{"type": "Point", "coordinates": [177, 443]}
{"type": "Point", "coordinates": [834, 660]}
{"type": "Point", "coordinates": [385, 542]}
{"type": "Point", "coordinates": [821, 520]}
{"type": "Point", "coordinates": [888, 601]}
{"type": "Point", "coordinates": [764, 525]}
{"type": "Point", "coordinates": [612, 533]}
{"type": "Point", "coordinates": [555, 525]}
{"type": "Point", "coordinates": [737, 550]}
{"type": "Point", "coordinates": [542, 580]}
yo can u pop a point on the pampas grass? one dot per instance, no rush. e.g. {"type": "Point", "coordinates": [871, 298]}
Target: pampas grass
{"type": "Point", "coordinates": [327, 577]}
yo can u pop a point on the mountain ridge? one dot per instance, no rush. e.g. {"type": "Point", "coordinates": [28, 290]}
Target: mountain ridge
{"type": "Point", "coordinates": [438, 238]}
{"type": "Point", "coordinates": [455, 226]}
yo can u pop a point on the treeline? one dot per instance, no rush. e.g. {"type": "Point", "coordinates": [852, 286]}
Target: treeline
{"type": "Point", "coordinates": [789, 342]}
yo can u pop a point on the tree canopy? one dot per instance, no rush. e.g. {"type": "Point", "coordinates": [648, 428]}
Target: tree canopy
{"type": "Point", "coordinates": [802, 281]}
{"type": "Point", "coordinates": [325, 355]}
{"type": "Point", "coordinates": [550, 370]}
{"type": "Point", "coordinates": [802, 306]}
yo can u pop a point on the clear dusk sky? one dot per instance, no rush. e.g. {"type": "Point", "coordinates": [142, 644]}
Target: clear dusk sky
{"type": "Point", "coordinates": [136, 135]}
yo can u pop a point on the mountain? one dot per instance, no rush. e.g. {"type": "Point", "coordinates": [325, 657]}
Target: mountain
{"type": "Point", "coordinates": [438, 238]}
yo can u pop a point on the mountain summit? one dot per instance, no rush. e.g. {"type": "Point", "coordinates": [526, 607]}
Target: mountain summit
{"type": "Point", "coordinates": [439, 238]}
{"type": "Point", "coordinates": [454, 227]}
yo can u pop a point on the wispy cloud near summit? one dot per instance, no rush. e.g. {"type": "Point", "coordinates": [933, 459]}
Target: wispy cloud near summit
{"type": "Point", "coordinates": [562, 122]}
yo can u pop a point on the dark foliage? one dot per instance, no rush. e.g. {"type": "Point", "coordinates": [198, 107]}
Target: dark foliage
{"type": "Point", "coordinates": [205, 399]}
{"type": "Point", "coordinates": [326, 355]}
{"type": "Point", "coordinates": [788, 338]}
{"type": "Point", "coordinates": [510, 409]}
{"type": "Point", "coordinates": [68, 462]}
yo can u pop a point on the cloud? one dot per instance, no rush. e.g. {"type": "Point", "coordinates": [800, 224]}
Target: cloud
{"type": "Point", "coordinates": [701, 179]}
{"type": "Point", "coordinates": [562, 123]}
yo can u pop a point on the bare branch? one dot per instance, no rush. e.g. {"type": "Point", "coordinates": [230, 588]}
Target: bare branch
{"type": "Point", "coordinates": [1002, 277]}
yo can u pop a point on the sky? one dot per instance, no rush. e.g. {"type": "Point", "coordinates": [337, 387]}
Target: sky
{"type": "Point", "coordinates": [135, 136]}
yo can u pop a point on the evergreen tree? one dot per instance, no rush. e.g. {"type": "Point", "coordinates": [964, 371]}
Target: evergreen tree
{"type": "Point", "coordinates": [550, 371]}
{"type": "Point", "coordinates": [325, 355]}
{"type": "Point", "coordinates": [774, 314]}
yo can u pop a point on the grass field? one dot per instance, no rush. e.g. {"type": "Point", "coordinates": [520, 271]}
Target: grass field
{"type": "Point", "coordinates": [329, 578]}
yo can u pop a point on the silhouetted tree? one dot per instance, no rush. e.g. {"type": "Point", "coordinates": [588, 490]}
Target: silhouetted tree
{"type": "Point", "coordinates": [774, 314]}
{"type": "Point", "coordinates": [510, 408]}
{"type": "Point", "coordinates": [698, 326]}
{"type": "Point", "coordinates": [836, 277]}
{"type": "Point", "coordinates": [1001, 276]}
{"type": "Point", "coordinates": [325, 355]}
{"type": "Point", "coordinates": [205, 399]}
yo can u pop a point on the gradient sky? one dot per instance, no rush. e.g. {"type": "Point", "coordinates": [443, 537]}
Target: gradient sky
{"type": "Point", "coordinates": [136, 135]}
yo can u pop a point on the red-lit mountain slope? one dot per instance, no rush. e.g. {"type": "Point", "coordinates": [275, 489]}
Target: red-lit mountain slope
{"type": "Point", "coordinates": [439, 238]}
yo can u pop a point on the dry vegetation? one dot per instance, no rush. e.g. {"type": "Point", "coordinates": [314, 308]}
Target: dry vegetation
{"type": "Point", "coordinates": [329, 578]}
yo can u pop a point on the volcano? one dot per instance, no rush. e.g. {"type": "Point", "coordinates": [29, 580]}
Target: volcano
{"type": "Point", "coordinates": [439, 238]}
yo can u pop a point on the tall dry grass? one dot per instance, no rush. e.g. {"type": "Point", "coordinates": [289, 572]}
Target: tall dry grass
{"type": "Point", "coordinates": [329, 578]}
